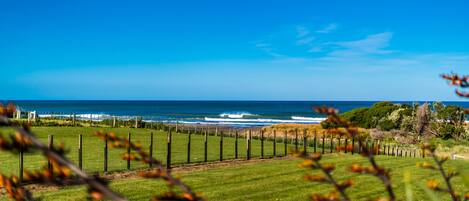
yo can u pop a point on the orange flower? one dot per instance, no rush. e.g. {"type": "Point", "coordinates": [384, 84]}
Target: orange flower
{"type": "Point", "coordinates": [315, 178]}
{"type": "Point", "coordinates": [356, 168]}
{"type": "Point", "coordinates": [432, 184]}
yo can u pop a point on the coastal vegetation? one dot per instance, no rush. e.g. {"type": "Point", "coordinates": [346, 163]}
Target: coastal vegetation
{"type": "Point", "coordinates": [409, 123]}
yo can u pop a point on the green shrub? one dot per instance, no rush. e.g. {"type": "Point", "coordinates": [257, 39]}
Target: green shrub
{"type": "Point", "coordinates": [386, 125]}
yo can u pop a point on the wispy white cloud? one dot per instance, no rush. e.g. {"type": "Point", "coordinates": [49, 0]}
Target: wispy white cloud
{"type": "Point", "coordinates": [328, 29]}
{"type": "Point", "coordinates": [371, 44]}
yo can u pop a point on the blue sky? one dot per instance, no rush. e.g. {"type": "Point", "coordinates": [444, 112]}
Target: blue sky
{"type": "Point", "coordinates": [232, 50]}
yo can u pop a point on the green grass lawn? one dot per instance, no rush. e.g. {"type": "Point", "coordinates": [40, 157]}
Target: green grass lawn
{"type": "Point", "coordinates": [264, 180]}
{"type": "Point", "coordinates": [93, 148]}
{"type": "Point", "coordinates": [276, 180]}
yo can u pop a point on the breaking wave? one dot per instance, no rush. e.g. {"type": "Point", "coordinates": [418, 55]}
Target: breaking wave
{"type": "Point", "coordinates": [235, 115]}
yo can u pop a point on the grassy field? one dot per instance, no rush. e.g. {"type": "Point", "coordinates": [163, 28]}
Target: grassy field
{"type": "Point", "coordinates": [93, 148]}
{"type": "Point", "coordinates": [275, 180]}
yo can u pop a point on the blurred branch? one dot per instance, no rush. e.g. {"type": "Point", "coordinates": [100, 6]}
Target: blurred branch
{"type": "Point", "coordinates": [98, 189]}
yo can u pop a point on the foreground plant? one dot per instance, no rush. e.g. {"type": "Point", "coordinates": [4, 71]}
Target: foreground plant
{"type": "Point", "coordinates": [61, 170]}
{"type": "Point", "coordinates": [458, 81]}
{"type": "Point", "coordinates": [158, 171]}
{"type": "Point", "coordinates": [343, 127]}
{"type": "Point", "coordinates": [447, 176]}
{"type": "Point", "coordinates": [313, 161]}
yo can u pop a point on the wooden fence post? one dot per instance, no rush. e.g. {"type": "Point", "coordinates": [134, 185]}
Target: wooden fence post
{"type": "Point", "coordinates": [379, 147]}
{"type": "Point", "coordinates": [74, 119]}
{"type": "Point", "coordinates": [248, 147]}
{"type": "Point", "coordinates": [262, 144]}
{"type": "Point", "coordinates": [305, 141]}
{"type": "Point", "coordinates": [168, 150]}
{"type": "Point", "coordinates": [275, 143]}
{"type": "Point", "coordinates": [423, 152]}
{"type": "Point", "coordinates": [189, 146]}
{"type": "Point", "coordinates": [205, 145]}
{"type": "Point", "coordinates": [332, 144]}
{"type": "Point", "coordinates": [353, 145]}
{"type": "Point", "coordinates": [91, 120]}
{"type": "Point", "coordinates": [285, 138]}
{"type": "Point", "coordinates": [346, 144]}
{"type": "Point", "coordinates": [128, 151]}
{"type": "Point", "coordinates": [114, 121]}
{"type": "Point", "coordinates": [250, 143]}
{"type": "Point", "coordinates": [296, 140]}
{"type": "Point", "coordinates": [21, 164]}
{"type": "Point", "coordinates": [151, 150]}
{"type": "Point", "coordinates": [367, 145]}
{"type": "Point", "coordinates": [221, 145]}
{"type": "Point", "coordinates": [314, 141]}
{"type": "Point", "coordinates": [323, 142]}
{"type": "Point", "coordinates": [105, 154]}
{"type": "Point", "coordinates": [80, 151]}
{"type": "Point", "coordinates": [372, 149]}
{"type": "Point", "coordinates": [50, 145]}
{"type": "Point", "coordinates": [236, 144]}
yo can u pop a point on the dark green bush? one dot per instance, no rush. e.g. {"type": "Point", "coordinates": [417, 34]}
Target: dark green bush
{"type": "Point", "coordinates": [386, 125]}
{"type": "Point", "coordinates": [370, 117]}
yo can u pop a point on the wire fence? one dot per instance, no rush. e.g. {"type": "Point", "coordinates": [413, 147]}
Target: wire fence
{"type": "Point", "coordinates": [182, 146]}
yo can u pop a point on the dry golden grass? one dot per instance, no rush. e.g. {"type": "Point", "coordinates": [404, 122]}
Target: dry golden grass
{"type": "Point", "coordinates": [290, 129]}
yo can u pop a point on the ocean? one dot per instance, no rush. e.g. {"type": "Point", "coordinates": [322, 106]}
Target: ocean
{"type": "Point", "coordinates": [231, 113]}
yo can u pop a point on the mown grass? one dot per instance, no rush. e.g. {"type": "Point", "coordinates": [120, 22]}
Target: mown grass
{"type": "Point", "coordinates": [93, 148]}
{"type": "Point", "coordinates": [265, 180]}
{"type": "Point", "coordinates": [276, 180]}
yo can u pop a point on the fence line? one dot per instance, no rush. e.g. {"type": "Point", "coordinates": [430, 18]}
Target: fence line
{"type": "Point", "coordinates": [316, 143]}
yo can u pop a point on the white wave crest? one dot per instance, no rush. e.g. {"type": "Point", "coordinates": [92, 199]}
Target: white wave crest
{"type": "Point", "coordinates": [236, 115]}
{"type": "Point", "coordinates": [308, 118]}
{"type": "Point", "coordinates": [263, 120]}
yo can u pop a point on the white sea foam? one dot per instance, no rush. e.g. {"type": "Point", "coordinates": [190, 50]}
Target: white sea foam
{"type": "Point", "coordinates": [235, 119]}
{"type": "Point", "coordinates": [308, 118]}
{"type": "Point", "coordinates": [235, 115]}
{"type": "Point", "coordinates": [226, 123]}
{"type": "Point", "coordinates": [262, 120]}
{"type": "Point", "coordinates": [94, 117]}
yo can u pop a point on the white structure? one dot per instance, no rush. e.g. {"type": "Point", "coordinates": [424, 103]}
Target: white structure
{"type": "Point", "coordinates": [32, 116]}
{"type": "Point", "coordinates": [18, 113]}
